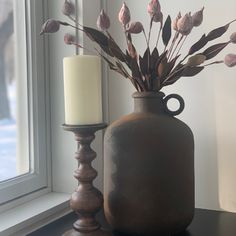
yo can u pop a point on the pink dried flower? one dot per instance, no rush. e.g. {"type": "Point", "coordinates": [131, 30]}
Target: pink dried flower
{"type": "Point", "coordinates": [124, 14]}
{"type": "Point", "coordinates": [198, 17]}
{"type": "Point", "coordinates": [175, 22]}
{"type": "Point", "coordinates": [233, 37]}
{"type": "Point", "coordinates": [230, 60]}
{"type": "Point", "coordinates": [154, 8]}
{"type": "Point", "coordinates": [185, 24]}
{"type": "Point", "coordinates": [50, 26]}
{"type": "Point", "coordinates": [103, 21]}
{"type": "Point", "coordinates": [135, 28]}
{"type": "Point", "coordinates": [69, 39]}
{"type": "Point", "coordinates": [68, 8]}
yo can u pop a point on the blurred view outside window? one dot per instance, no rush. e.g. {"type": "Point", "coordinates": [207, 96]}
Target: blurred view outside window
{"type": "Point", "coordinates": [9, 94]}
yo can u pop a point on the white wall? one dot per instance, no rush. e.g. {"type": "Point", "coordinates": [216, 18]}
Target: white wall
{"type": "Point", "coordinates": [210, 100]}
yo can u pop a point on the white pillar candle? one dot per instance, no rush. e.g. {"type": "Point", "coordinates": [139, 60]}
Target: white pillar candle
{"type": "Point", "coordinates": [82, 90]}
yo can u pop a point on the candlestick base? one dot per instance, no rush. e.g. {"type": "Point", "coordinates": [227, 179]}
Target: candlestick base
{"type": "Point", "coordinates": [86, 201]}
{"type": "Point", "coordinates": [99, 232]}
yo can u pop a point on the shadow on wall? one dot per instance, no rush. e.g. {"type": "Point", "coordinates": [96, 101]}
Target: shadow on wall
{"type": "Point", "coordinates": [226, 140]}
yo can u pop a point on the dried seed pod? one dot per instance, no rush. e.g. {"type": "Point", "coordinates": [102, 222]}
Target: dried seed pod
{"type": "Point", "coordinates": [154, 8]}
{"type": "Point", "coordinates": [158, 17]}
{"type": "Point", "coordinates": [50, 26]}
{"type": "Point", "coordinates": [230, 60]}
{"type": "Point", "coordinates": [135, 28]}
{"type": "Point", "coordinates": [68, 8]}
{"type": "Point", "coordinates": [69, 39]}
{"type": "Point", "coordinates": [198, 17]}
{"type": "Point", "coordinates": [124, 14]}
{"type": "Point", "coordinates": [233, 37]}
{"type": "Point", "coordinates": [103, 21]}
{"type": "Point", "coordinates": [185, 24]}
{"type": "Point", "coordinates": [175, 22]}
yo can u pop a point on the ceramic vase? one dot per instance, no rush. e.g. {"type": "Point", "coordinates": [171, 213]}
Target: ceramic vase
{"type": "Point", "coordinates": [149, 169]}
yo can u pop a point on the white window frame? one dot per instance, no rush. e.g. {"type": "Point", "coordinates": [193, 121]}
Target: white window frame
{"type": "Point", "coordinates": [41, 207]}
{"type": "Point", "coordinates": [32, 69]}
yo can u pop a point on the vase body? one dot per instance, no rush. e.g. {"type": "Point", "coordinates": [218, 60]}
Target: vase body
{"type": "Point", "coordinates": [149, 170]}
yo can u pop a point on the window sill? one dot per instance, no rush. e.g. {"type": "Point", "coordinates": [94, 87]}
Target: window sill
{"type": "Point", "coordinates": [32, 215]}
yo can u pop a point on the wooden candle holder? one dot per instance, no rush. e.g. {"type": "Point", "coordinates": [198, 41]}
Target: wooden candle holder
{"type": "Point", "coordinates": [86, 201]}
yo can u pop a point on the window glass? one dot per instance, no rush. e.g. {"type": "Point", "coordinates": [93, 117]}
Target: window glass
{"type": "Point", "coordinates": [12, 163]}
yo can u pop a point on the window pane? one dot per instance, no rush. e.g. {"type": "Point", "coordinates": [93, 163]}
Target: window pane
{"type": "Point", "coordinates": [23, 135]}
{"type": "Point", "coordinates": [12, 158]}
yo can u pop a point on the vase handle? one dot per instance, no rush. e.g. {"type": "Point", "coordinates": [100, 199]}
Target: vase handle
{"type": "Point", "coordinates": [181, 104]}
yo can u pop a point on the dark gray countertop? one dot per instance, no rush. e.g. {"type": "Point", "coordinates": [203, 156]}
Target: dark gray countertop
{"type": "Point", "coordinates": [205, 223]}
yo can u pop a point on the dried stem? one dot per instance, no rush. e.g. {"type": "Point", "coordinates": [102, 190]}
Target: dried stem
{"type": "Point", "coordinates": [173, 43]}
{"type": "Point", "coordinates": [145, 36]}
{"type": "Point", "coordinates": [126, 37]}
{"type": "Point", "coordinates": [148, 41]}
{"type": "Point", "coordinates": [181, 45]}
{"type": "Point", "coordinates": [75, 27]}
{"type": "Point", "coordinates": [214, 62]}
{"type": "Point", "coordinates": [107, 32]}
{"type": "Point", "coordinates": [159, 33]}
{"type": "Point", "coordinates": [232, 21]}
{"type": "Point", "coordinates": [135, 83]}
{"type": "Point", "coordinates": [184, 58]}
{"type": "Point", "coordinates": [171, 74]}
{"type": "Point", "coordinates": [79, 46]}
{"type": "Point", "coordinates": [171, 55]}
{"type": "Point", "coordinates": [74, 20]}
{"type": "Point", "coordinates": [149, 34]}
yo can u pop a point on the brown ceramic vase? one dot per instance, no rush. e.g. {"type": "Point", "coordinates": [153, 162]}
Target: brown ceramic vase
{"type": "Point", "coordinates": [149, 169]}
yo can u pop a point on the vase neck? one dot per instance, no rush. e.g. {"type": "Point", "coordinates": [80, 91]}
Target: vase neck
{"type": "Point", "coordinates": [148, 102]}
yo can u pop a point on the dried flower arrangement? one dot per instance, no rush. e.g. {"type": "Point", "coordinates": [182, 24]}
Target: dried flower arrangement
{"type": "Point", "coordinates": [154, 69]}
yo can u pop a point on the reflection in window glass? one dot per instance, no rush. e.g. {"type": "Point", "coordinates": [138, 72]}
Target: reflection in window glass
{"type": "Point", "coordinates": [9, 109]}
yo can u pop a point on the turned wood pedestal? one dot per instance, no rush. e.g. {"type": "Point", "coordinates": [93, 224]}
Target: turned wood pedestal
{"type": "Point", "coordinates": [86, 201]}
